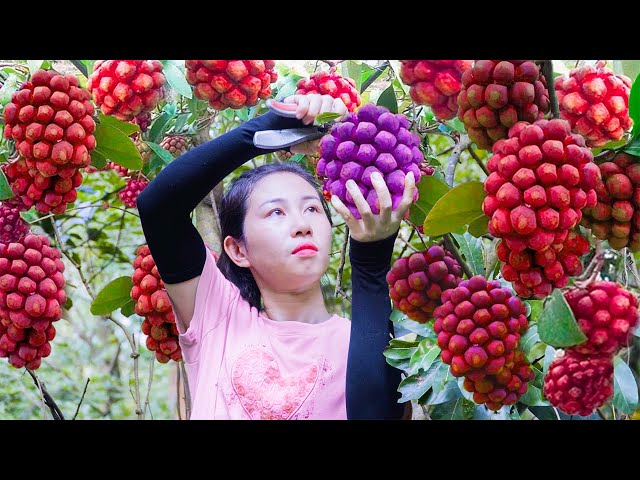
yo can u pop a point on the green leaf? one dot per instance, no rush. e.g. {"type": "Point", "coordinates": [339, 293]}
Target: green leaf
{"type": "Point", "coordinates": [5, 189]}
{"type": "Point", "coordinates": [536, 309]}
{"type": "Point", "coordinates": [544, 413]}
{"type": "Point", "coordinates": [471, 248]}
{"type": "Point", "coordinates": [457, 208]}
{"type": "Point", "coordinates": [479, 226]}
{"type": "Point", "coordinates": [127, 128]}
{"type": "Point", "coordinates": [430, 190]}
{"type": "Point", "coordinates": [458, 409]}
{"type": "Point", "coordinates": [423, 357]}
{"type": "Point", "coordinates": [388, 99]}
{"type": "Point", "coordinates": [625, 389]}
{"type": "Point", "coordinates": [112, 144]}
{"type": "Point", "coordinates": [128, 308]}
{"type": "Point", "coordinates": [449, 392]}
{"type": "Point", "coordinates": [403, 321]}
{"type": "Point", "coordinates": [177, 80]}
{"type": "Point", "coordinates": [557, 325]}
{"type": "Point", "coordinates": [325, 117]}
{"type": "Point", "coordinates": [29, 216]}
{"type": "Point", "coordinates": [549, 355]}
{"type": "Point", "coordinates": [160, 126]}
{"type": "Point", "coordinates": [34, 65]}
{"type": "Point", "coordinates": [10, 85]}
{"type": "Point", "coordinates": [533, 397]}
{"type": "Point", "coordinates": [634, 105]}
{"type": "Point", "coordinates": [354, 71]}
{"type": "Point", "coordinates": [164, 155]}
{"type": "Point", "coordinates": [415, 386]}
{"type": "Point", "coordinates": [114, 295]}
{"type": "Point", "coordinates": [529, 339]}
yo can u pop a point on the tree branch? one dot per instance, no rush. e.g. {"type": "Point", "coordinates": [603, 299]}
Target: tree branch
{"type": "Point", "coordinates": [547, 71]}
{"type": "Point", "coordinates": [343, 255]}
{"type": "Point", "coordinates": [463, 143]}
{"type": "Point", "coordinates": [81, 398]}
{"type": "Point", "coordinates": [146, 402]}
{"type": "Point", "coordinates": [451, 247]}
{"type": "Point", "coordinates": [374, 76]}
{"type": "Point", "coordinates": [48, 400]}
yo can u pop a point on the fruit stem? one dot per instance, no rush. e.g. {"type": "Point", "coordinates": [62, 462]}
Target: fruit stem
{"type": "Point", "coordinates": [594, 268]}
{"type": "Point", "coordinates": [475, 156]}
{"type": "Point", "coordinates": [547, 71]}
{"type": "Point", "coordinates": [146, 402]}
{"type": "Point", "coordinates": [451, 247]}
{"type": "Point", "coordinates": [187, 392]}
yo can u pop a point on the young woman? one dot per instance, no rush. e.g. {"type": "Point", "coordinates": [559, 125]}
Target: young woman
{"type": "Point", "coordinates": [256, 337]}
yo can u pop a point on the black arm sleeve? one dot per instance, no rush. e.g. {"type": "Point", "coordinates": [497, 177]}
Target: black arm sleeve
{"type": "Point", "coordinates": [372, 383]}
{"type": "Point", "coordinates": [167, 202]}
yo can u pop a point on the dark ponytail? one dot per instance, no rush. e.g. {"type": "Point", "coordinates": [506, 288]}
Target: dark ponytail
{"type": "Point", "coordinates": [232, 213]}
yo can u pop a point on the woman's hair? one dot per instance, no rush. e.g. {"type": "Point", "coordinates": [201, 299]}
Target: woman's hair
{"type": "Point", "coordinates": [233, 211]}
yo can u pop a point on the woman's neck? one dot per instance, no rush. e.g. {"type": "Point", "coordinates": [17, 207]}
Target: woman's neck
{"type": "Point", "coordinates": [307, 306]}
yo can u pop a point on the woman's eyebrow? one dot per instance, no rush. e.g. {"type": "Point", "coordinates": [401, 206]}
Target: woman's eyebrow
{"type": "Point", "coordinates": [276, 200]}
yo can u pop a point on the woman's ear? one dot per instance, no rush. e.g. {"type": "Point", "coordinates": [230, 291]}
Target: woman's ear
{"type": "Point", "coordinates": [236, 252]}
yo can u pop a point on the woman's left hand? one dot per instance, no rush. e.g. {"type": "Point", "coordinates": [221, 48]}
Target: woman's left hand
{"type": "Point", "coordinates": [372, 227]}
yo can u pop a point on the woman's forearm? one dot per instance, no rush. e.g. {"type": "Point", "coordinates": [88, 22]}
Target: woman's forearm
{"type": "Point", "coordinates": [167, 202]}
{"type": "Point", "coordinates": [371, 391]}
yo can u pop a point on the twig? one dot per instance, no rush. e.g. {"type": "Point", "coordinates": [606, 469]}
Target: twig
{"type": "Point", "coordinates": [445, 151]}
{"type": "Point", "coordinates": [80, 66]}
{"type": "Point", "coordinates": [594, 267]}
{"type": "Point", "coordinates": [478, 160]}
{"type": "Point", "coordinates": [48, 400]}
{"type": "Point", "coordinates": [150, 380]}
{"type": "Point", "coordinates": [406, 242]}
{"type": "Point", "coordinates": [547, 71]}
{"type": "Point", "coordinates": [95, 205]}
{"type": "Point", "coordinates": [450, 245]}
{"type": "Point", "coordinates": [81, 399]}
{"type": "Point", "coordinates": [134, 350]}
{"type": "Point", "coordinates": [374, 76]}
{"type": "Point", "coordinates": [187, 392]}
{"type": "Point", "coordinates": [577, 63]}
{"type": "Point", "coordinates": [343, 255]}
{"type": "Point", "coordinates": [454, 158]}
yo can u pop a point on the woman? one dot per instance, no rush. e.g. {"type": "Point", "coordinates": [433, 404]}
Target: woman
{"type": "Point", "coordinates": [257, 339]}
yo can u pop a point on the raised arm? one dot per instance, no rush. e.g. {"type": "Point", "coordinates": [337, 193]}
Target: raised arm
{"type": "Point", "coordinates": [167, 202]}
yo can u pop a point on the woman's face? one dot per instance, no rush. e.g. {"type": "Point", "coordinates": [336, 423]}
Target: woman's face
{"type": "Point", "coordinates": [285, 212]}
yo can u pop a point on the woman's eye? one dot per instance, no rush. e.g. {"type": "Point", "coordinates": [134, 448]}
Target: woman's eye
{"type": "Point", "coordinates": [277, 210]}
{"type": "Point", "coordinates": [315, 209]}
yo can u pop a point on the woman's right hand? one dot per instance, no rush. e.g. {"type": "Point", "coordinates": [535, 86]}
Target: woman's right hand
{"type": "Point", "coordinates": [309, 107]}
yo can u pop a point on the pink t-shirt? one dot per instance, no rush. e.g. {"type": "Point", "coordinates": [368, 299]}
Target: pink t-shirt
{"type": "Point", "coordinates": [242, 365]}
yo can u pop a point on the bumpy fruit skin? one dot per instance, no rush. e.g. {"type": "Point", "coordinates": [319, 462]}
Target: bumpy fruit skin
{"type": "Point", "coordinates": [176, 145]}
{"type": "Point", "coordinates": [607, 314]}
{"type": "Point", "coordinates": [595, 102]}
{"type": "Point", "coordinates": [369, 141]}
{"type": "Point", "coordinates": [416, 282]}
{"type": "Point", "coordinates": [129, 194]}
{"type": "Point", "coordinates": [578, 385]}
{"type": "Point", "coordinates": [50, 120]}
{"type": "Point", "coordinates": [119, 169]}
{"type": "Point", "coordinates": [535, 274]}
{"type": "Point", "coordinates": [152, 303]}
{"type": "Point", "coordinates": [435, 83]}
{"type": "Point", "coordinates": [331, 83]}
{"type": "Point", "coordinates": [143, 120]}
{"type": "Point", "coordinates": [615, 217]}
{"type": "Point", "coordinates": [12, 226]}
{"type": "Point", "coordinates": [31, 298]}
{"type": "Point", "coordinates": [504, 388]}
{"type": "Point", "coordinates": [497, 94]}
{"type": "Point", "coordinates": [127, 89]}
{"type": "Point", "coordinates": [231, 83]}
{"type": "Point", "coordinates": [541, 178]}
{"type": "Point", "coordinates": [479, 325]}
